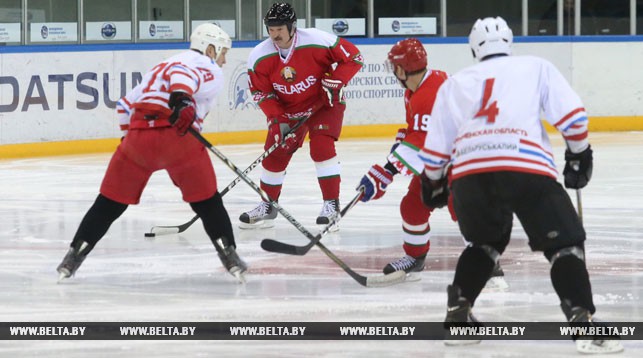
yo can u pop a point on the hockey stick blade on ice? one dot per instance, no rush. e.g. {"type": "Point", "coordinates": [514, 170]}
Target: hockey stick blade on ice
{"type": "Point", "coordinates": [366, 281]}
{"type": "Point", "coordinates": [283, 248]}
{"type": "Point", "coordinates": [177, 229]}
{"type": "Point", "coordinates": [374, 281]}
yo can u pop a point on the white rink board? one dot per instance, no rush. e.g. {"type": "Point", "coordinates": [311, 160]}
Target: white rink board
{"type": "Point", "coordinates": [69, 96]}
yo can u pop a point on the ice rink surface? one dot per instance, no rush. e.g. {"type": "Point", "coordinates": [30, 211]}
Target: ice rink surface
{"type": "Point", "coordinates": [179, 278]}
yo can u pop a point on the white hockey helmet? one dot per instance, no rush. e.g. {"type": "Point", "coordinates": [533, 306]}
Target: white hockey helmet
{"type": "Point", "coordinates": [490, 36]}
{"type": "Point", "coordinates": [209, 34]}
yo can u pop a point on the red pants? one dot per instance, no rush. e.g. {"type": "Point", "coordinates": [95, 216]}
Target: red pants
{"type": "Point", "coordinates": [144, 151]}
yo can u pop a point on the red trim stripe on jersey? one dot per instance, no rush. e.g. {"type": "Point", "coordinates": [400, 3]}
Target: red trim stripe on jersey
{"type": "Point", "coordinates": [436, 154]}
{"type": "Point", "coordinates": [569, 115]}
{"type": "Point", "coordinates": [534, 144]}
{"type": "Point", "coordinates": [493, 159]}
{"type": "Point", "coordinates": [576, 137]}
{"type": "Point", "coordinates": [502, 168]}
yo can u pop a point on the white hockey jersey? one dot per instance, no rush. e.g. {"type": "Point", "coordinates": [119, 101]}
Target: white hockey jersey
{"type": "Point", "coordinates": [487, 118]}
{"type": "Point", "coordinates": [189, 72]}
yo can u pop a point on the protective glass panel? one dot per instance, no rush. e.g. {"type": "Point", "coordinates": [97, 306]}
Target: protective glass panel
{"type": "Point", "coordinates": [397, 18]}
{"type": "Point", "coordinates": [605, 17]}
{"type": "Point", "coordinates": [160, 20]}
{"type": "Point", "coordinates": [462, 14]}
{"type": "Point", "coordinates": [52, 21]}
{"type": "Point", "coordinates": [107, 21]}
{"type": "Point", "coordinates": [10, 22]}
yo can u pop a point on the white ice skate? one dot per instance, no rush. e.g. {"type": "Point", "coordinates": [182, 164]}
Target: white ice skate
{"type": "Point", "coordinates": [329, 210]}
{"type": "Point", "coordinates": [262, 216]}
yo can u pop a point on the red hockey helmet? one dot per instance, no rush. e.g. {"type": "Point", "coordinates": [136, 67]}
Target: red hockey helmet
{"type": "Point", "coordinates": [408, 54]}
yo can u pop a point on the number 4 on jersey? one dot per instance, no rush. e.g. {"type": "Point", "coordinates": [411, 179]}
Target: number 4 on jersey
{"type": "Point", "coordinates": [489, 110]}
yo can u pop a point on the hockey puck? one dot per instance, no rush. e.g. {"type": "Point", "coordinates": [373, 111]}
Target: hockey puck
{"type": "Point", "coordinates": [150, 234]}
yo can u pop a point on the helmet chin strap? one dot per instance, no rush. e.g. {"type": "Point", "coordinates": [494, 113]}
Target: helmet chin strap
{"type": "Point", "coordinates": [403, 82]}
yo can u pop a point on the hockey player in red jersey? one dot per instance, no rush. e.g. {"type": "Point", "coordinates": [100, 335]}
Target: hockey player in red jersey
{"type": "Point", "coordinates": [299, 74]}
{"type": "Point", "coordinates": [174, 96]}
{"type": "Point", "coordinates": [487, 124]}
{"type": "Point", "coordinates": [407, 59]}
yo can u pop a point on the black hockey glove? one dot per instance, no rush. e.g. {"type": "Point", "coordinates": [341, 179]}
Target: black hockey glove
{"type": "Point", "coordinates": [578, 168]}
{"type": "Point", "coordinates": [183, 111]}
{"type": "Point", "coordinates": [435, 193]}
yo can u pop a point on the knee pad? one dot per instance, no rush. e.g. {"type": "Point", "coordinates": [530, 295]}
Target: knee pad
{"type": "Point", "coordinates": [491, 251]}
{"type": "Point", "coordinates": [276, 163]}
{"type": "Point", "coordinates": [322, 148]}
{"type": "Point", "coordinates": [554, 254]}
{"type": "Point", "coordinates": [412, 210]}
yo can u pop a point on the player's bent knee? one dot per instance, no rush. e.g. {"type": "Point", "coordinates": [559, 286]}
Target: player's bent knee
{"type": "Point", "coordinates": [490, 251]}
{"type": "Point", "coordinates": [413, 210]}
{"type": "Point", "coordinates": [322, 148]}
{"type": "Point", "coordinates": [554, 254]}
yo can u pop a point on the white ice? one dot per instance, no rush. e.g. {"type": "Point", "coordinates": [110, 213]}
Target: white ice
{"type": "Point", "coordinates": [179, 278]}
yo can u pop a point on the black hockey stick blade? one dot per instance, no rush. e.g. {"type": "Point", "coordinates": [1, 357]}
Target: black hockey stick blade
{"type": "Point", "coordinates": [283, 248]}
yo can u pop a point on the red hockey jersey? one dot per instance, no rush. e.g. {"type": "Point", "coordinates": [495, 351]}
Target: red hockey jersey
{"type": "Point", "coordinates": [418, 105]}
{"type": "Point", "coordinates": [293, 85]}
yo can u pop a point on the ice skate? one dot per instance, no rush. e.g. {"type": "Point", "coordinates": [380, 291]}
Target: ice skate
{"type": "Point", "coordinates": [328, 211]}
{"type": "Point", "coordinates": [497, 280]}
{"type": "Point", "coordinates": [262, 216]}
{"type": "Point", "coordinates": [458, 315]}
{"type": "Point", "coordinates": [406, 263]}
{"type": "Point", "coordinates": [72, 260]}
{"type": "Point", "coordinates": [230, 260]}
{"type": "Point", "coordinates": [580, 317]}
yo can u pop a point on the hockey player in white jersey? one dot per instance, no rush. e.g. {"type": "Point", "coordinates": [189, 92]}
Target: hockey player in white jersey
{"type": "Point", "coordinates": [487, 123]}
{"type": "Point", "coordinates": [174, 96]}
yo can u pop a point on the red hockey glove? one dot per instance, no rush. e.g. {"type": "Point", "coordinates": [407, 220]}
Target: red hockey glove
{"type": "Point", "coordinates": [375, 183]}
{"type": "Point", "coordinates": [183, 111]}
{"type": "Point", "coordinates": [279, 129]}
{"type": "Point", "coordinates": [334, 90]}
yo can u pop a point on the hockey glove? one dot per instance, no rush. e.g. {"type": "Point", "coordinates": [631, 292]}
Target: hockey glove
{"type": "Point", "coordinates": [435, 193]}
{"type": "Point", "coordinates": [279, 129]}
{"type": "Point", "coordinates": [183, 111]}
{"type": "Point", "coordinates": [578, 168]}
{"type": "Point", "coordinates": [399, 137]}
{"type": "Point", "coordinates": [375, 183]}
{"type": "Point", "coordinates": [334, 90]}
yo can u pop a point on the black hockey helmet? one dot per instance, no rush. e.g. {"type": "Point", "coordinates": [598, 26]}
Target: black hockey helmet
{"type": "Point", "coordinates": [281, 13]}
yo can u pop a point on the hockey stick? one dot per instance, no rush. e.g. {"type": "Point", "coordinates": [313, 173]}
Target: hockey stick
{"type": "Point", "coordinates": [579, 205]}
{"type": "Point", "coordinates": [283, 248]}
{"type": "Point", "coordinates": [177, 229]}
{"type": "Point", "coordinates": [377, 281]}
{"type": "Point", "coordinates": [576, 166]}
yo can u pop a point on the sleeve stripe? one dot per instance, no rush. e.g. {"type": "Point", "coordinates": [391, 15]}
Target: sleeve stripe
{"type": "Point", "coordinates": [569, 115]}
{"type": "Point", "coordinates": [576, 137]}
{"type": "Point", "coordinates": [435, 154]}
{"type": "Point", "coordinates": [581, 119]}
